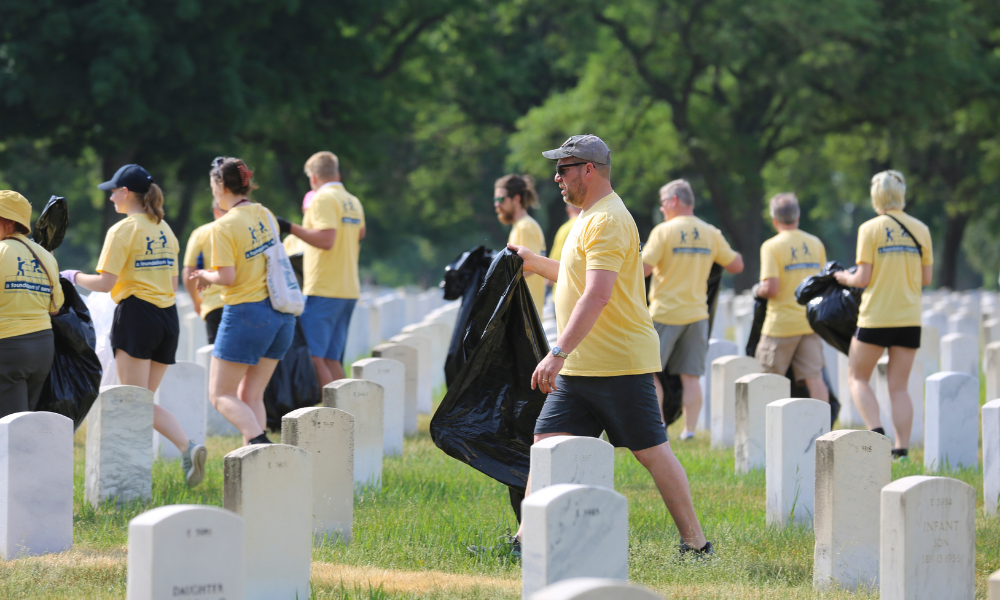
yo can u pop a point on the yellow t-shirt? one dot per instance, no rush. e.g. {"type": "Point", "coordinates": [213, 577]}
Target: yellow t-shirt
{"type": "Point", "coordinates": [333, 273]}
{"type": "Point", "coordinates": [143, 255]}
{"type": "Point", "coordinates": [681, 252]}
{"type": "Point", "coordinates": [28, 292]}
{"type": "Point", "coordinates": [197, 256]}
{"type": "Point", "coordinates": [527, 232]}
{"type": "Point", "coordinates": [790, 256]}
{"type": "Point", "coordinates": [892, 299]}
{"type": "Point", "coordinates": [622, 341]}
{"type": "Point", "coordinates": [239, 239]}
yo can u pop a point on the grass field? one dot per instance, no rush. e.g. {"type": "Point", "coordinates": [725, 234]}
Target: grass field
{"type": "Point", "coordinates": [410, 540]}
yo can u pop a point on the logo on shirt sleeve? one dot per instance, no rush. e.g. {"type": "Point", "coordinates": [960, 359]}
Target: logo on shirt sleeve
{"type": "Point", "coordinates": [157, 253]}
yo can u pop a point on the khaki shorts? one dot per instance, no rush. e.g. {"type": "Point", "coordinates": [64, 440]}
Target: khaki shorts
{"type": "Point", "coordinates": [804, 353]}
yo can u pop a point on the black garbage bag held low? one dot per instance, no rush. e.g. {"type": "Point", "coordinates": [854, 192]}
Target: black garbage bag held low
{"type": "Point", "coordinates": [832, 309]}
{"type": "Point", "coordinates": [487, 418]}
{"type": "Point", "coordinates": [759, 314]}
{"type": "Point", "coordinates": [75, 378]}
{"type": "Point", "coordinates": [462, 279]}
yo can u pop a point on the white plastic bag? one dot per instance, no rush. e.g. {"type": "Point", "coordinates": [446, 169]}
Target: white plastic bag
{"type": "Point", "coordinates": [282, 286]}
{"type": "Point", "coordinates": [102, 311]}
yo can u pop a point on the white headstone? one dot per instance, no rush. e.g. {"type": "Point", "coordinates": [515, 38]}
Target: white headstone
{"type": "Point", "coordinates": [965, 322]}
{"type": "Point", "coordinates": [571, 531]}
{"type": "Point", "coordinates": [593, 588]}
{"type": "Point", "coordinates": [793, 426]}
{"type": "Point", "coordinates": [215, 423]}
{"type": "Point", "coordinates": [716, 349]}
{"type": "Point", "coordinates": [374, 324]}
{"type": "Point", "coordinates": [929, 352]}
{"type": "Point", "coordinates": [991, 331]}
{"type": "Point", "coordinates": [849, 416]}
{"type": "Point", "coordinates": [952, 422]}
{"type": "Point", "coordinates": [991, 367]}
{"type": "Point", "coordinates": [928, 543]}
{"type": "Point", "coordinates": [991, 457]}
{"type": "Point", "coordinates": [391, 375]}
{"type": "Point", "coordinates": [119, 461]}
{"type": "Point", "coordinates": [425, 357]}
{"type": "Point", "coordinates": [185, 551]}
{"type": "Point", "coordinates": [753, 394]}
{"type": "Point", "coordinates": [572, 459]}
{"type": "Point", "coordinates": [725, 372]}
{"type": "Point", "coordinates": [358, 336]}
{"type": "Point", "coordinates": [994, 586]}
{"type": "Point", "coordinates": [270, 486]}
{"type": "Point", "coordinates": [328, 435]}
{"type": "Point", "coordinates": [917, 393]}
{"type": "Point", "coordinates": [407, 355]}
{"type": "Point", "coordinates": [182, 393]}
{"type": "Point", "coordinates": [440, 336]}
{"type": "Point", "coordinates": [936, 318]}
{"type": "Point", "coordinates": [960, 352]}
{"type": "Point", "coordinates": [36, 484]}
{"type": "Point", "coordinates": [852, 467]}
{"type": "Point", "coordinates": [364, 401]}
{"type": "Point", "coordinates": [185, 335]}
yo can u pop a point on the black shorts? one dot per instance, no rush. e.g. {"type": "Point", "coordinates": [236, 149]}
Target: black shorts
{"type": "Point", "coordinates": [145, 331]}
{"type": "Point", "coordinates": [212, 320]}
{"type": "Point", "coordinates": [624, 406]}
{"type": "Point", "coordinates": [907, 337]}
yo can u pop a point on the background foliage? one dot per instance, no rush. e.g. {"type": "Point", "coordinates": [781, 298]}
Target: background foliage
{"type": "Point", "coordinates": [428, 101]}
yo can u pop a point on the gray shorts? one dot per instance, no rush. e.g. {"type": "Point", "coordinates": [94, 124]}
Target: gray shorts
{"type": "Point", "coordinates": [683, 347]}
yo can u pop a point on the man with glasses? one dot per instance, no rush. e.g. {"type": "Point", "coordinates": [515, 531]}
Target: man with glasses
{"type": "Point", "coordinates": [513, 195]}
{"type": "Point", "coordinates": [679, 255]}
{"type": "Point", "coordinates": [599, 376]}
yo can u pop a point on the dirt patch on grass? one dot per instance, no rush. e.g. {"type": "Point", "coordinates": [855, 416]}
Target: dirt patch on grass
{"type": "Point", "coordinates": [406, 581]}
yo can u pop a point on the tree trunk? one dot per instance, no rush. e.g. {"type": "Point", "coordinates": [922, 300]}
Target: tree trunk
{"type": "Point", "coordinates": [954, 230]}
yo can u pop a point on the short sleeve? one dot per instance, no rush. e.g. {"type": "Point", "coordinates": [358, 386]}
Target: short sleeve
{"type": "Point", "coordinates": [223, 249]}
{"type": "Point", "coordinates": [652, 252]}
{"type": "Point", "coordinates": [605, 245]}
{"type": "Point", "coordinates": [114, 254]}
{"type": "Point", "coordinates": [769, 266]}
{"type": "Point", "coordinates": [194, 246]}
{"type": "Point", "coordinates": [724, 254]}
{"type": "Point", "coordinates": [324, 212]}
{"type": "Point", "coordinates": [866, 246]}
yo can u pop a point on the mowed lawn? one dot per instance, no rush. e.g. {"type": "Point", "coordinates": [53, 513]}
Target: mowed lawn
{"type": "Point", "coordinates": [410, 539]}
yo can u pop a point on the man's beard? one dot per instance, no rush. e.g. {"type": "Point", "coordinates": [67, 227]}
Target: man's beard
{"type": "Point", "coordinates": [575, 197]}
{"type": "Point", "coordinates": [506, 218]}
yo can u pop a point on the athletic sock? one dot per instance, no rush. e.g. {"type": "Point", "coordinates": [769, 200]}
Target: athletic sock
{"type": "Point", "coordinates": [261, 439]}
{"type": "Point", "coordinates": [879, 431]}
{"type": "Point", "coordinates": [898, 452]}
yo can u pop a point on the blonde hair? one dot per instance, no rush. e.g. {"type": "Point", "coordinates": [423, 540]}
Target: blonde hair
{"type": "Point", "coordinates": [888, 191]}
{"type": "Point", "coordinates": [519, 185]}
{"type": "Point", "coordinates": [324, 165]}
{"type": "Point", "coordinates": [152, 202]}
{"type": "Point", "coordinates": [784, 208]}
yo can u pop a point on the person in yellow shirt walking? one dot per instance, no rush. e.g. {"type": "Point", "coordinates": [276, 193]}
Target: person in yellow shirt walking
{"type": "Point", "coordinates": [138, 266]}
{"type": "Point", "coordinates": [332, 229]}
{"type": "Point", "coordinates": [895, 260]}
{"type": "Point", "coordinates": [572, 212]}
{"type": "Point", "coordinates": [599, 376]}
{"type": "Point", "coordinates": [208, 303]}
{"type": "Point", "coordinates": [30, 295]}
{"type": "Point", "coordinates": [513, 195]}
{"type": "Point", "coordinates": [679, 255]}
{"type": "Point", "coordinates": [786, 338]}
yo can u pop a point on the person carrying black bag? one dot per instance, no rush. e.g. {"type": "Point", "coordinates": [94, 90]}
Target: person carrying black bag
{"type": "Point", "coordinates": [895, 260]}
{"type": "Point", "coordinates": [31, 294]}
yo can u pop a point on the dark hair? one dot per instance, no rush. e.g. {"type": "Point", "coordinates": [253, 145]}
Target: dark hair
{"type": "Point", "coordinates": [18, 228]}
{"type": "Point", "coordinates": [233, 174]}
{"type": "Point", "coordinates": [519, 185]}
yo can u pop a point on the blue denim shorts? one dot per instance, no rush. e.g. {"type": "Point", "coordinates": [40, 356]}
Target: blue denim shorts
{"type": "Point", "coordinates": [251, 331]}
{"type": "Point", "coordinates": [324, 323]}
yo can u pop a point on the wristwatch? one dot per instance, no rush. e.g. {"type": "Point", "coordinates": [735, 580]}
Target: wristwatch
{"type": "Point", "coordinates": [557, 351]}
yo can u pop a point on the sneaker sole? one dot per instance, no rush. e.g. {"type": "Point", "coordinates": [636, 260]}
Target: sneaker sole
{"type": "Point", "coordinates": [197, 472]}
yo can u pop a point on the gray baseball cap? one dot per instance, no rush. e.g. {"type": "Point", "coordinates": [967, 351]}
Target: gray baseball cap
{"type": "Point", "coordinates": [588, 146]}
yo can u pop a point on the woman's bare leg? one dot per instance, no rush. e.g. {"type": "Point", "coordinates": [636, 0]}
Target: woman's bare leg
{"type": "Point", "coordinates": [861, 362]}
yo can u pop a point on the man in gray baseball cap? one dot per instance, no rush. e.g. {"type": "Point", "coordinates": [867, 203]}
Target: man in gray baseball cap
{"type": "Point", "coordinates": [599, 377]}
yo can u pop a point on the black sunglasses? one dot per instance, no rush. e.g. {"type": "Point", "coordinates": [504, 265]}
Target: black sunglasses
{"type": "Point", "coordinates": [561, 169]}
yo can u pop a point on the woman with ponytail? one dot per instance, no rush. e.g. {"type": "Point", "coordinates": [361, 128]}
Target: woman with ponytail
{"type": "Point", "coordinates": [138, 266]}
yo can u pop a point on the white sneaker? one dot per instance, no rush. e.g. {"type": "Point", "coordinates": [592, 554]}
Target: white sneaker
{"type": "Point", "coordinates": [687, 435]}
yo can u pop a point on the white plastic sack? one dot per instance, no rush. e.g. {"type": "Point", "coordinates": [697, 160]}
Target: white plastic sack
{"type": "Point", "coordinates": [102, 311]}
{"type": "Point", "coordinates": [282, 286]}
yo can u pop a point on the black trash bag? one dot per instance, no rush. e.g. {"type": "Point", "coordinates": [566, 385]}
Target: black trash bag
{"type": "Point", "coordinates": [832, 309]}
{"type": "Point", "coordinates": [487, 418]}
{"type": "Point", "coordinates": [50, 228]}
{"type": "Point", "coordinates": [673, 390]}
{"type": "Point", "coordinates": [462, 279]}
{"type": "Point", "coordinates": [75, 378]}
{"type": "Point", "coordinates": [294, 384]}
{"type": "Point", "coordinates": [799, 390]}
{"type": "Point", "coordinates": [759, 312]}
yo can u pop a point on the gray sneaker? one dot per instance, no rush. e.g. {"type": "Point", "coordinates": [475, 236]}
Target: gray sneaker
{"type": "Point", "coordinates": [193, 464]}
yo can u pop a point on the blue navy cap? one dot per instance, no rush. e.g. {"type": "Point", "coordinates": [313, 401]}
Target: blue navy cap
{"type": "Point", "coordinates": [133, 177]}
